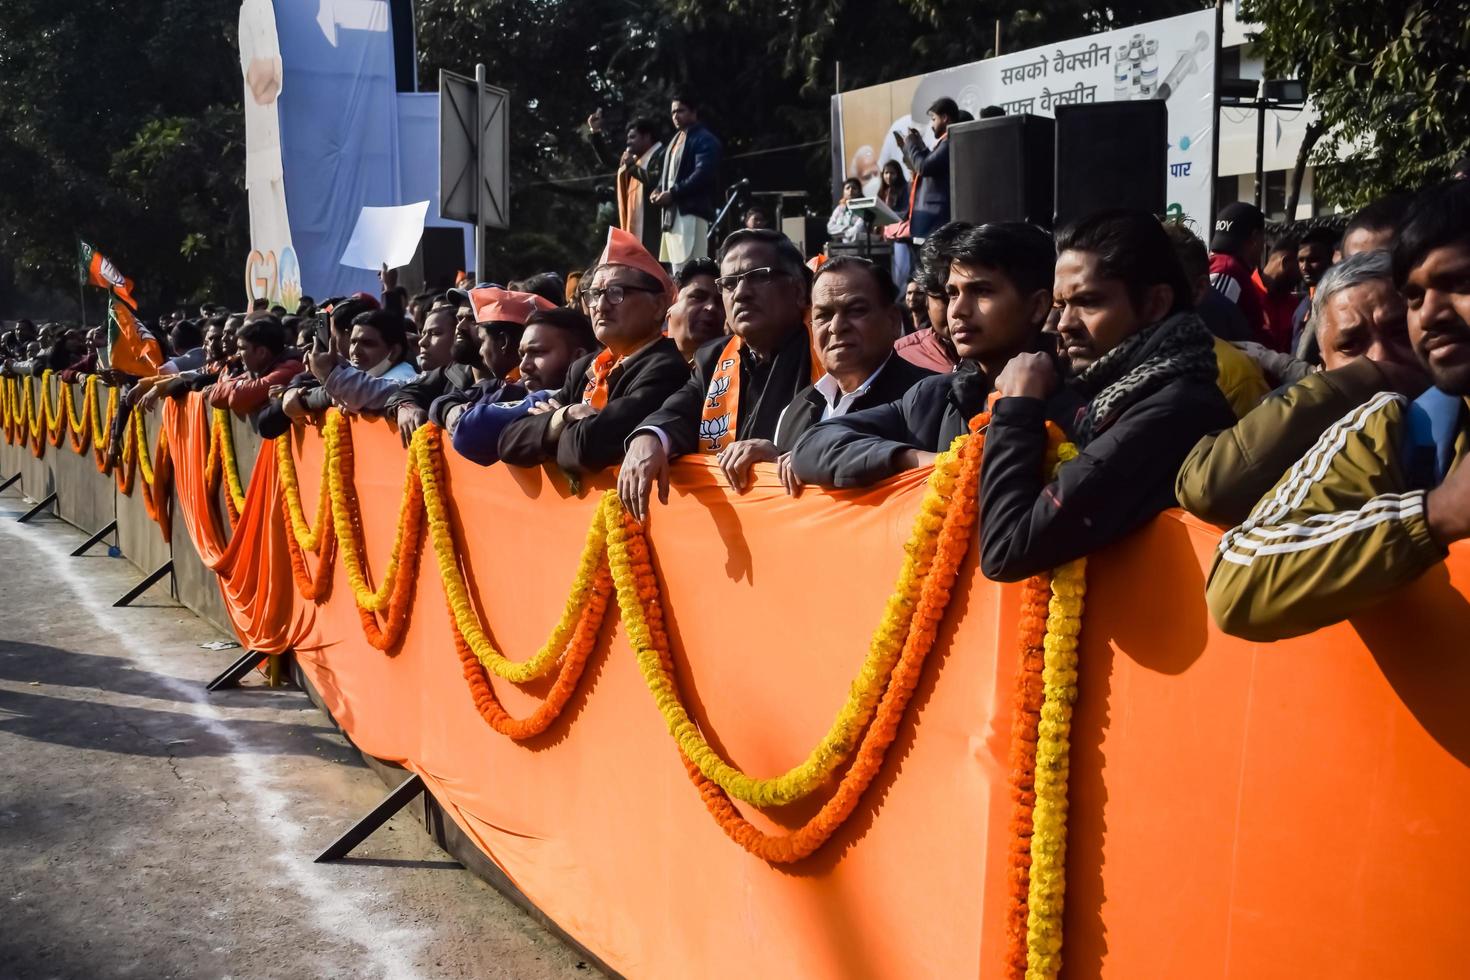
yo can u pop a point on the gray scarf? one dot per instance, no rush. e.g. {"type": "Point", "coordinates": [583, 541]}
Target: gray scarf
{"type": "Point", "coordinates": [1178, 346]}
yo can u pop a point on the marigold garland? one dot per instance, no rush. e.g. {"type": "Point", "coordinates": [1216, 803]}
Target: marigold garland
{"type": "Point", "coordinates": [37, 414]}
{"type": "Point", "coordinates": [225, 439]}
{"type": "Point", "coordinates": [1025, 715]}
{"type": "Point", "coordinates": [864, 693]}
{"type": "Point", "coordinates": [346, 515]}
{"type": "Point", "coordinates": [1048, 883]}
{"type": "Point", "coordinates": [79, 427]}
{"type": "Point", "coordinates": [308, 538]}
{"type": "Point", "coordinates": [102, 427]}
{"type": "Point", "coordinates": [428, 450]}
{"type": "Point", "coordinates": [428, 443]}
{"type": "Point", "coordinates": [55, 428]}
{"type": "Point", "coordinates": [643, 620]}
{"type": "Point", "coordinates": [313, 588]}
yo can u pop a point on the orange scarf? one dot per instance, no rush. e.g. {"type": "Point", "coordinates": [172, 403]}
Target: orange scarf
{"type": "Point", "coordinates": [602, 365]}
{"type": "Point", "coordinates": [722, 400]}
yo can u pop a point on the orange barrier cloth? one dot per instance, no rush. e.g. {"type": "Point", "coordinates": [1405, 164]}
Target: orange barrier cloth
{"type": "Point", "coordinates": [1236, 809]}
{"type": "Point", "coordinates": [253, 567]}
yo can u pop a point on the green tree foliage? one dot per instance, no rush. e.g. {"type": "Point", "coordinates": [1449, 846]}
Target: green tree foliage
{"type": "Point", "coordinates": [121, 124]}
{"type": "Point", "coordinates": [1391, 81]}
{"type": "Point", "coordinates": [763, 72]}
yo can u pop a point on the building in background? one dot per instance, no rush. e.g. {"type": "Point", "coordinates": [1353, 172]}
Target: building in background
{"type": "Point", "coordinates": [1235, 180]}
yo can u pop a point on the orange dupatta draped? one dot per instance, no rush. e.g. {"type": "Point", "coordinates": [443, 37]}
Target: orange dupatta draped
{"type": "Point", "coordinates": [254, 566]}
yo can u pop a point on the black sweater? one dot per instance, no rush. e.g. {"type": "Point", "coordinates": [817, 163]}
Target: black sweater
{"type": "Point", "coordinates": [1030, 523]}
{"type": "Point", "coordinates": [635, 388]}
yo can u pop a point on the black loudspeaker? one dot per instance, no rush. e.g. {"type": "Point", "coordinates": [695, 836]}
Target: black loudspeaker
{"type": "Point", "coordinates": [1001, 169]}
{"type": "Point", "coordinates": [1111, 155]}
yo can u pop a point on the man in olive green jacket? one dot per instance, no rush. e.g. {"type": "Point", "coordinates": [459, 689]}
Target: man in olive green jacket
{"type": "Point", "coordinates": [1361, 320]}
{"type": "Point", "coordinates": [1381, 495]}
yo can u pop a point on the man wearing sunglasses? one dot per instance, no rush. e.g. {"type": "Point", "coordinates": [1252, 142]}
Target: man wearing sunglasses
{"type": "Point", "coordinates": [741, 384]}
{"type": "Point", "coordinates": [607, 394]}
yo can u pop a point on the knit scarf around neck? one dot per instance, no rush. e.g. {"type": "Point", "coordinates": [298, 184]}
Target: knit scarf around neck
{"type": "Point", "coordinates": [1178, 346]}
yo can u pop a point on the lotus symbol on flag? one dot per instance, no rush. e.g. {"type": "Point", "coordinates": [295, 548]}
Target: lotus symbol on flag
{"type": "Point", "coordinates": [109, 272]}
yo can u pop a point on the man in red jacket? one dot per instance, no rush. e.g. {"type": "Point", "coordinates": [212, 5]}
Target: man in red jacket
{"type": "Point", "coordinates": [1235, 252]}
{"type": "Point", "coordinates": [262, 352]}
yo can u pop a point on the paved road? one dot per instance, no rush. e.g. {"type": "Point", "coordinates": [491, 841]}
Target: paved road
{"type": "Point", "coordinates": [150, 830]}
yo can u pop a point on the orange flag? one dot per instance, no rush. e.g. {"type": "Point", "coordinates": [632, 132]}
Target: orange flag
{"type": "Point", "coordinates": [131, 349]}
{"type": "Point", "coordinates": [98, 270]}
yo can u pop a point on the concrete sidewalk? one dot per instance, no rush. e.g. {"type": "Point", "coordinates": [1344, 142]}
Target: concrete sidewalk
{"type": "Point", "coordinates": [148, 829]}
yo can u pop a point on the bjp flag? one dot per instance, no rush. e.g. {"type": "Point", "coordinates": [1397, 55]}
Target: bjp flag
{"type": "Point", "coordinates": [98, 270]}
{"type": "Point", "coordinates": [131, 349]}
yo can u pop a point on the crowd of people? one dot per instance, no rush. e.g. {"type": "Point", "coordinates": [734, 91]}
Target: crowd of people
{"type": "Point", "coordinates": [1309, 395]}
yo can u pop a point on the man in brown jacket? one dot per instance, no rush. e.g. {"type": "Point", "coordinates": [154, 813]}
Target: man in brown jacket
{"type": "Point", "coordinates": [1360, 319]}
{"type": "Point", "coordinates": [1381, 495]}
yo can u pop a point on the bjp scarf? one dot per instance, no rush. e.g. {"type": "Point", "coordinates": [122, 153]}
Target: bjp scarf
{"type": "Point", "coordinates": [722, 400]}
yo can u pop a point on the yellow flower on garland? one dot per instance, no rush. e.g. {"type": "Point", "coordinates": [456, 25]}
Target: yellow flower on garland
{"type": "Point", "coordinates": [346, 517]}
{"type": "Point", "coordinates": [225, 439]}
{"type": "Point", "coordinates": [1049, 817]}
{"type": "Point", "coordinates": [863, 695]}
{"type": "Point", "coordinates": [465, 617]}
{"type": "Point", "coordinates": [309, 538]}
{"type": "Point", "coordinates": [34, 407]}
{"type": "Point", "coordinates": [140, 444]}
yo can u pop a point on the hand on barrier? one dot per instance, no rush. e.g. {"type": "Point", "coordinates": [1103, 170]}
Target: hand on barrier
{"type": "Point", "coordinates": [410, 417]}
{"type": "Point", "coordinates": [645, 464]}
{"type": "Point", "coordinates": [737, 458]}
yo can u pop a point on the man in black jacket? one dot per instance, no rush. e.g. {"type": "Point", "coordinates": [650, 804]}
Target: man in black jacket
{"type": "Point", "coordinates": [999, 284]}
{"type": "Point", "coordinates": [584, 425]}
{"type": "Point", "coordinates": [855, 320]}
{"type": "Point", "coordinates": [449, 360]}
{"type": "Point", "coordinates": [639, 168]}
{"type": "Point", "coordinates": [1145, 365]}
{"type": "Point", "coordinates": [742, 383]}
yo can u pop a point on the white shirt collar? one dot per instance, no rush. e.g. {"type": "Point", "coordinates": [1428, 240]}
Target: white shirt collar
{"type": "Point", "coordinates": [839, 403]}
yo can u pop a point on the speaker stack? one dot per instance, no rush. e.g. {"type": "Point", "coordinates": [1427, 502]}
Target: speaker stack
{"type": "Point", "coordinates": [1043, 171]}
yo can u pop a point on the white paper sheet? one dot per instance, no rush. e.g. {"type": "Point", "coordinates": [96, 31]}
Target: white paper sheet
{"type": "Point", "coordinates": [385, 236]}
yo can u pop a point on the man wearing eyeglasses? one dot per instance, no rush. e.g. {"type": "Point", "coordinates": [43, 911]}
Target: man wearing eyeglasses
{"type": "Point", "coordinates": [607, 394]}
{"type": "Point", "coordinates": [730, 406]}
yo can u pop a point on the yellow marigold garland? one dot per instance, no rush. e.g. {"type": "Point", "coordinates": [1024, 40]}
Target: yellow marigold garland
{"type": "Point", "coordinates": [465, 618]}
{"type": "Point", "coordinates": [36, 412]}
{"type": "Point", "coordinates": [347, 521]}
{"type": "Point", "coordinates": [1049, 817]}
{"type": "Point", "coordinates": [140, 444]}
{"type": "Point", "coordinates": [308, 538]}
{"type": "Point", "coordinates": [863, 694]}
{"type": "Point", "coordinates": [224, 439]}
{"type": "Point", "coordinates": [78, 420]}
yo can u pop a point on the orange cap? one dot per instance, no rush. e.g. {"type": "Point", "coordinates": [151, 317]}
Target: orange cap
{"type": "Point", "coordinates": [623, 249]}
{"type": "Point", "coordinates": [494, 303]}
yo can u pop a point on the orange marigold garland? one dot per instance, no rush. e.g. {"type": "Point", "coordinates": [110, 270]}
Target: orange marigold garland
{"type": "Point", "coordinates": [574, 660]}
{"type": "Point", "coordinates": [102, 429]}
{"type": "Point", "coordinates": [403, 564]}
{"type": "Point", "coordinates": [954, 539]}
{"type": "Point", "coordinates": [313, 588]}
{"type": "Point", "coordinates": [1025, 716]}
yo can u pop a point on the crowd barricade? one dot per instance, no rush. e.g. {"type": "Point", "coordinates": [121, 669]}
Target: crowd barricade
{"type": "Point", "coordinates": [85, 497]}
{"type": "Point", "coordinates": [1234, 809]}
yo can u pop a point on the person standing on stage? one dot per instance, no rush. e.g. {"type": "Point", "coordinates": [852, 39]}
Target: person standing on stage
{"type": "Point", "coordinates": [688, 184]}
{"type": "Point", "coordinates": [640, 169]}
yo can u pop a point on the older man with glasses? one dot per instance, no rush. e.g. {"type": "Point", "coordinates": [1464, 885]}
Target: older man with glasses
{"type": "Point", "coordinates": [741, 384]}
{"type": "Point", "coordinates": [607, 394]}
